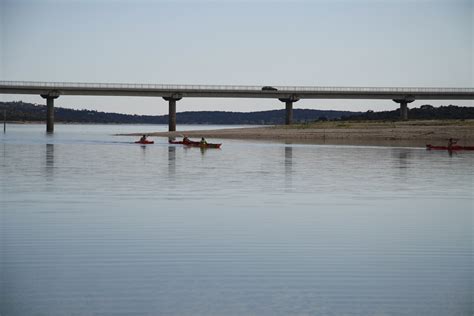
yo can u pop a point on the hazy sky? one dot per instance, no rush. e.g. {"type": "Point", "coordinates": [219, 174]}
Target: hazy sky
{"type": "Point", "coordinates": [316, 43]}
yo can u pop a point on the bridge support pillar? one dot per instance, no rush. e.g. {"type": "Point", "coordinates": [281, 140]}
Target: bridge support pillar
{"type": "Point", "coordinates": [172, 112]}
{"type": "Point", "coordinates": [289, 108]}
{"type": "Point", "coordinates": [50, 109]}
{"type": "Point", "coordinates": [404, 106]}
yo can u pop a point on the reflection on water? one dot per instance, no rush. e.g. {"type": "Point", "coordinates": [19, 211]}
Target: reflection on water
{"type": "Point", "coordinates": [403, 158]}
{"type": "Point", "coordinates": [143, 147]}
{"type": "Point", "coordinates": [99, 225]}
{"type": "Point", "coordinates": [288, 166]}
{"type": "Point", "coordinates": [49, 160]}
{"type": "Point", "coordinates": [171, 161]}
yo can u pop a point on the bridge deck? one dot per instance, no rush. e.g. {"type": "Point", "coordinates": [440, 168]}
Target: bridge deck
{"type": "Point", "coordinates": [233, 91]}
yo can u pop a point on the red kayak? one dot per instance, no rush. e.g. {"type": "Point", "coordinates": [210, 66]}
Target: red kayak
{"type": "Point", "coordinates": [195, 144]}
{"type": "Point", "coordinates": [144, 142]}
{"type": "Point", "coordinates": [454, 147]}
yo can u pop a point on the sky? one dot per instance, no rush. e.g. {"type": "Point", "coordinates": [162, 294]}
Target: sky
{"type": "Point", "coordinates": [368, 43]}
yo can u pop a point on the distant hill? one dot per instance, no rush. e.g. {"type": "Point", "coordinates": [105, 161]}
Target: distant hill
{"type": "Point", "coordinates": [21, 111]}
{"type": "Point", "coordinates": [424, 112]}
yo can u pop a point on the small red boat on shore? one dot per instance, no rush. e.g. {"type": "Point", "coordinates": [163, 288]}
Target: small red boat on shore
{"type": "Point", "coordinates": [454, 147]}
{"type": "Point", "coordinates": [195, 144]}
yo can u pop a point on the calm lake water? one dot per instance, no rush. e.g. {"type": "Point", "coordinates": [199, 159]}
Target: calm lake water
{"type": "Point", "coordinates": [92, 224]}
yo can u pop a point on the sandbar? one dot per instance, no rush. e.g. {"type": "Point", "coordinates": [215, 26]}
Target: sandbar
{"type": "Point", "coordinates": [398, 133]}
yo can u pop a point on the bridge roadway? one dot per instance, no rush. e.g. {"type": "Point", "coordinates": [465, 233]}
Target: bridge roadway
{"type": "Point", "coordinates": [173, 93]}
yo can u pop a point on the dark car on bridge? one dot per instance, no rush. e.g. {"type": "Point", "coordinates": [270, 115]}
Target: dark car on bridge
{"type": "Point", "coordinates": [268, 88]}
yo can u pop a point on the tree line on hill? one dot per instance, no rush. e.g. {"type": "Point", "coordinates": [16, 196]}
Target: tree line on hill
{"type": "Point", "coordinates": [27, 112]}
{"type": "Point", "coordinates": [424, 112]}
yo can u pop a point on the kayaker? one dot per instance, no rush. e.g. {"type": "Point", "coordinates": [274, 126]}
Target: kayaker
{"type": "Point", "coordinates": [451, 142]}
{"type": "Point", "coordinates": [143, 138]}
{"type": "Point", "coordinates": [203, 141]}
{"type": "Point", "coordinates": [186, 140]}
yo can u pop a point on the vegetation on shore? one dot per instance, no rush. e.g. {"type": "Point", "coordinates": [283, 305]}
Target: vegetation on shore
{"type": "Point", "coordinates": [424, 112]}
{"type": "Point", "coordinates": [304, 118]}
{"type": "Point", "coordinates": [28, 112]}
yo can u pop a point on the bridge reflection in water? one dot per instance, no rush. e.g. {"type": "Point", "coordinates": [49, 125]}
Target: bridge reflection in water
{"type": "Point", "coordinates": [288, 167]}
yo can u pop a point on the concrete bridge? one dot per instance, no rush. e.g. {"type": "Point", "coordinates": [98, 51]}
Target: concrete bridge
{"type": "Point", "coordinates": [173, 93]}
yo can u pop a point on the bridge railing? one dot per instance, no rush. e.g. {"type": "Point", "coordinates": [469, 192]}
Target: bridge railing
{"type": "Point", "coordinates": [178, 87]}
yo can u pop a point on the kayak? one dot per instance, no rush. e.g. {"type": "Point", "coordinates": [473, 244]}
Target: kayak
{"type": "Point", "coordinates": [454, 147]}
{"type": "Point", "coordinates": [195, 144]}
{"type": "Point", "coordinates": [144, 142]}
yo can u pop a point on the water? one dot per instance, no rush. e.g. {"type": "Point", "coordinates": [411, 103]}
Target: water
{"type": "Point", "coordinates": [92, 224]}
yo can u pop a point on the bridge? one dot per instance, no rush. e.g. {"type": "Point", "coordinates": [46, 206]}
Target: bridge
{"type": "Point", "coordinates": [174, 93]}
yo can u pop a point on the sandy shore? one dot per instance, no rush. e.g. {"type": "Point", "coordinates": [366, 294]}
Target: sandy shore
{"type": "Point", "coordinates": [411, 133]}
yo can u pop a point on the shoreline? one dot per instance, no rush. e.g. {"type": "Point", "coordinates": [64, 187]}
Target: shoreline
{"type": "Point", "coordinates": [403, 133]}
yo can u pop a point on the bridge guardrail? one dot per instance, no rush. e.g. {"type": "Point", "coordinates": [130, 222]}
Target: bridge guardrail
{"type": "Point", "coordinates": [178, 87]}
